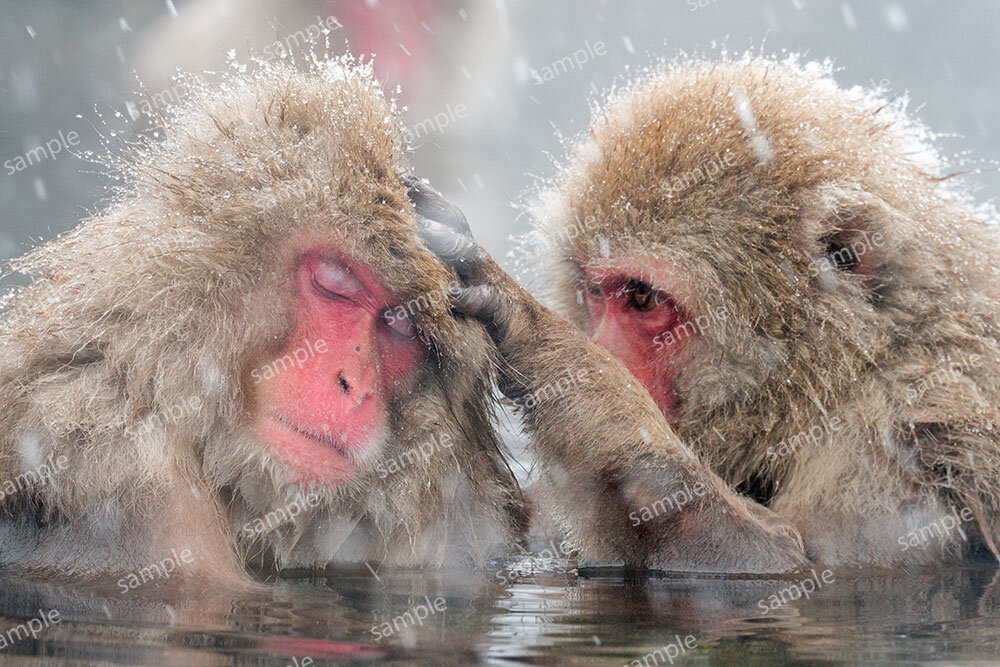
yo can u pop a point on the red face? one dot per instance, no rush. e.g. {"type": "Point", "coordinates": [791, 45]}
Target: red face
{"type": "Point", "coordinates": [323, 399]}
{"type": "Point", "coordinates": [636, 323]}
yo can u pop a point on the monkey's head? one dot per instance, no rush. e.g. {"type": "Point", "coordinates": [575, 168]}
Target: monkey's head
{"type": "Point", "coordinates": [263, 260]}
{"type": "Point", "coordinates": [762, 248]}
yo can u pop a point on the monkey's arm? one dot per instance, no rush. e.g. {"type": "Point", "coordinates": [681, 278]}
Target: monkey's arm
{"type": "Point", "coordinates": [614, 472]}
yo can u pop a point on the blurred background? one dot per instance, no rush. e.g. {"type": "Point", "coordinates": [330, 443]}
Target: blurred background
{"type": "Point", "coordinates": [491, 96]}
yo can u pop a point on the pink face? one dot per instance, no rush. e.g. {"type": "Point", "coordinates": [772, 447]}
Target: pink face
{"type": "Point", "coordinates": [631, 319]}
{"type": "Point", "coordinates": [323, 398]}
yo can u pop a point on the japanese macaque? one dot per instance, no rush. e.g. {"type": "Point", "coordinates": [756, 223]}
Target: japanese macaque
{"type": "Point", "coordinates": [809, 313]}
{"type": "Point", "coordinates": [248, 358]}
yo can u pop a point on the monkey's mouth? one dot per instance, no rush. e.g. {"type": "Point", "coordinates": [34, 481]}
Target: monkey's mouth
{"type": "Point", "coordinates": [312, 435]}
{"type": "Point", "coordinates": [317, 457]}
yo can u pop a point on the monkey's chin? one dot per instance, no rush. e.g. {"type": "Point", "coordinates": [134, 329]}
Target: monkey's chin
{"type": "Point", "coordinates": [316, 458]}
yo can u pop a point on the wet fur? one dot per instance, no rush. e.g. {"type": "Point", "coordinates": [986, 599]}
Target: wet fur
{"type": "Point", "coordinates": [177, 290]}
{"type": "Point", "coordinates": [800, 348]}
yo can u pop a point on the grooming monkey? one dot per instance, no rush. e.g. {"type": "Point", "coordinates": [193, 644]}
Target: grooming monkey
{"type": "Point", "coordinates": [242, 360]}
{"type": "Point", "coordinates": [809, 307]}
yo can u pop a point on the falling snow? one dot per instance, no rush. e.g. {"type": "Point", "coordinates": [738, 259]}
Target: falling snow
{"type": "Point", "coordinates": [848, 14]}
{"type": "Point", "coordinates": [895, 17]}
{"type": "Point", "coordinates": [758, 141]}
{"type": "Point", "coordinates": [40, 190]}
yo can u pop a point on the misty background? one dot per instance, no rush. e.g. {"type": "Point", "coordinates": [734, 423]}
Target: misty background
{"type": "Point", "coordinates": [489, 66]}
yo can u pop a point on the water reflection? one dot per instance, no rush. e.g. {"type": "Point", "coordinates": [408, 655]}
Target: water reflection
{"type": "Point", "coordinates": [544, 615]}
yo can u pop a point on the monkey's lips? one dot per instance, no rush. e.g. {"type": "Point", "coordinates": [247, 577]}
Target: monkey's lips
{"type": "Point", "coordinates": [318, 457]}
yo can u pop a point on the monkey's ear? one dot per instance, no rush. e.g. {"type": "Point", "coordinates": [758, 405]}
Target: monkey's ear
{"type": "Point", "coordinates": [849, 251]}
{"type": "Point", "coordinates": [849, 232]}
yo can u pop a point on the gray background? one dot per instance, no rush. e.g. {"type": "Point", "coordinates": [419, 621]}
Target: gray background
{"type": "Point", "coordinates": [84, 59]}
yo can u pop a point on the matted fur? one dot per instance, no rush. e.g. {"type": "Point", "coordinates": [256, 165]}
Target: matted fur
{"type": "Point", "coordinates": [178, 289]}
{"type": "Point", "coordinates": [803, 162]}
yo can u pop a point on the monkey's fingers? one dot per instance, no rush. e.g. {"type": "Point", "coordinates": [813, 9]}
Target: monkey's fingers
{"type": "Point", "coordinates": [456, 249]}
{"type": "Point", "coordinates": [483, 302]}
{"type": "Point", "coordinates": [431, 204]}
{"type": "Point", "coordinates": [446, 231]}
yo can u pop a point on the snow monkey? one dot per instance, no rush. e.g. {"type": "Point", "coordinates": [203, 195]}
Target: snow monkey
{"type": "Point", "coordinates": [810, 305]}
{"type": "Point", "coordinates": [248, 357]}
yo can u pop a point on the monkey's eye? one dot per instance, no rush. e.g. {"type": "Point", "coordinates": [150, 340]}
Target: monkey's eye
{"type": "Point", "coordinates": [336, 280]}
{"type": "Point", "coordinates": [594, 290]}
{"type": "Point", "coordinates": [643, 297]}
{"type": "Point", "coordinates": [400, 323]}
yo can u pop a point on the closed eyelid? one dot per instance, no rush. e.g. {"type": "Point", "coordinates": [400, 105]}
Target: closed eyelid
{"type": "Point", "coordinates": [336, 278]}
{"type": "Point", "coordinates": [334, 296]}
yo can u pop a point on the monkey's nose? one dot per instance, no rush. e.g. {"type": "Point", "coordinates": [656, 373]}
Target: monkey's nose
{"type": "Point", "coordinates": [345, 386]}
{"type": "Point", "coordinates": [357, 394]}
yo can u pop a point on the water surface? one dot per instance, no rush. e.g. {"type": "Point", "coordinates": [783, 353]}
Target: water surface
{"type": "Point", "coordinates": [532, 612]}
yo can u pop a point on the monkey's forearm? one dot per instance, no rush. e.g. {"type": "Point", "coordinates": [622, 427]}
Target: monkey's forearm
{"type": "Point", "coordinates": [558, 377]}
{"type": "Point", "coordinates": [615, 472]}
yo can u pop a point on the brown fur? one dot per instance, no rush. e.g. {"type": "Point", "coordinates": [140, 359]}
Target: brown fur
{"type": "Point", "coordinates": [179, 288]}
{"type": "Point", "coordinates": [801, 347]}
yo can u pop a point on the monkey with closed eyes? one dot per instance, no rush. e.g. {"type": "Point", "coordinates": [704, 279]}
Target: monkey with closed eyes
{"type": "Point", "coordinates": [246, 360]}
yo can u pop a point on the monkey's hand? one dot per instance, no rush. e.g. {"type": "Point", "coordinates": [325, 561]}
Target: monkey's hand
{"type": "Point", "coordinates": [614, 471]}
{"type": "Point", "coordinates": [487, 292]}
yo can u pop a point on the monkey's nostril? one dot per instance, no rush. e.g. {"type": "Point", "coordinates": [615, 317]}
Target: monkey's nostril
{"type": "Point", "coordinates": [343, 384]}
